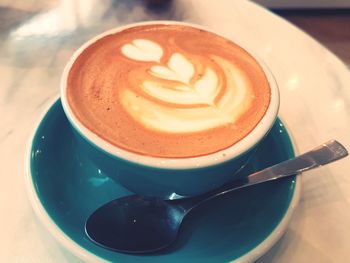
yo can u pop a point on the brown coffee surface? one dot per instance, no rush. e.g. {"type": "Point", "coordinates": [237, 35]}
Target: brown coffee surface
{"type": "Point", "coordinates": [168, 91]}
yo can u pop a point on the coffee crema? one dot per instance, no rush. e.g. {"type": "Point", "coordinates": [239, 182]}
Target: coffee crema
{"type": "Point", "coordinates": [168, 91]}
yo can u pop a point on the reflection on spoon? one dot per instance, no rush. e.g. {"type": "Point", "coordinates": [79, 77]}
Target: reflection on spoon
{"type": "Point", "coordinates": [137, 224]}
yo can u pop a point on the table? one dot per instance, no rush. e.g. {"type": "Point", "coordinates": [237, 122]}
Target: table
{"type": "Point", "coordinates": [38, 37]}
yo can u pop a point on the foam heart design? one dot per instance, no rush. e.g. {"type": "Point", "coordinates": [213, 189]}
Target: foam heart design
{"type": "Point", "coordinates": [183, 100]}
{"type": "Point", "coordinates": [143, 50]}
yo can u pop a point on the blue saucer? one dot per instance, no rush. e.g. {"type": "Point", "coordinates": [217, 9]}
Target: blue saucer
{"type": "Point", "coordinates": [65, 188]}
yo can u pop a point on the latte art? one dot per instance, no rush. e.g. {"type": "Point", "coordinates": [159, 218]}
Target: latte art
{"type": "Point", "coordinates": [185, 100]}
{"type": "Point", "coordinates": [168, 91]}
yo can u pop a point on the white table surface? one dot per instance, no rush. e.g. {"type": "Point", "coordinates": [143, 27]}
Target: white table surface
{"type": "Point", "coordinates": [315, 105]}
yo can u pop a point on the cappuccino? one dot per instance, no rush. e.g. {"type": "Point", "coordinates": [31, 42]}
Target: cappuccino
{"type": "Point", "coordinates": [171, 91]}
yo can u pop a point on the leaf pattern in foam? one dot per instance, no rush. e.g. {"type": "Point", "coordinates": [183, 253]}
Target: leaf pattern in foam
{"type": "Point", "coordinates": [143, 50]}
{"type": "Point", "coordinates": [181, 89]}
{"type": "Point", "coordinates": [164, 73]}
{"type": "Point", "coordinates": [178, 68]}
{"type": "Point", "coordinates": [183, 67]}
{"type": "Point", "coordinates": [207, 86]}
{"type": "Point", "coordinates": [176, 95]}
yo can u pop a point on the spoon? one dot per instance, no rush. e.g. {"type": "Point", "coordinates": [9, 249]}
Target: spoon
{"type": "Point", "coordinates": [138, 224]}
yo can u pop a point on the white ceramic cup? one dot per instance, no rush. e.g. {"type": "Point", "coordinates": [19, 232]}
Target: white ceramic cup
{"type": "Point", "coordinates": [168, 177]}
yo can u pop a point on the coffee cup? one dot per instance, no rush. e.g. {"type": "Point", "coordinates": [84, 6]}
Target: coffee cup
{"type": "Point", "coordinates": [168, 109]}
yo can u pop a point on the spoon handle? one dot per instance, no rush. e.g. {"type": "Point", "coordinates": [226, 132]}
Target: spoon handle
{"type": "Point", "coordinates": [323, 154]}
{"type": "Point", "coordinates": [326, 153]}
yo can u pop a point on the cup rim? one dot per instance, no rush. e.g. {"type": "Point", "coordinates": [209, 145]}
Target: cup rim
{"type": "Point", "coordinates": [240, 147]}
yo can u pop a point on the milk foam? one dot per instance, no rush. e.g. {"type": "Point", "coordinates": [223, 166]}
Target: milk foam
{"type": "Point", "coordinates": [182, 100]}
{"type": "Point", "coordinates": [169, 91]}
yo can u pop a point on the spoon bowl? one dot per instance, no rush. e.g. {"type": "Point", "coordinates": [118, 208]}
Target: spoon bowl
{"type": "Point", "coordinates": [144, 224]}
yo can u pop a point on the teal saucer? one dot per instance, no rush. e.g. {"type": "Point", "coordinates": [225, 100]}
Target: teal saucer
{"type": "Point", "coordinates": [65, 188]}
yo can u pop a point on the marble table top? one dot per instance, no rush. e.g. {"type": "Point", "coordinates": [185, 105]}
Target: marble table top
{"type": "Point", "coordinates": [38, 39]}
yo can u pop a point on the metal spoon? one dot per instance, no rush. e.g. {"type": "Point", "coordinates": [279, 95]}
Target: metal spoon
{"type": "Point", "coordinates": [137, 224]}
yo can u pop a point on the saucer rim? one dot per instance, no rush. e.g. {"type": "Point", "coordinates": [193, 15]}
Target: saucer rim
{"type": "Point", "coordinates": [73, 247]}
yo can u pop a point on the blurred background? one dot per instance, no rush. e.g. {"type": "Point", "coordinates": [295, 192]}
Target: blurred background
{"type": "Point", "coordinates": [326, 20]}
